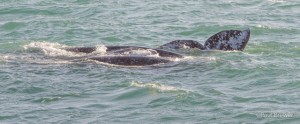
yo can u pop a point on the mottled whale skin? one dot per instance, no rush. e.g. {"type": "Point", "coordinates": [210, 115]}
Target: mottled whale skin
{"type": "Point", "coordinates": [228, 40]}
{"type": "Point", "coordinates": [225, 40]}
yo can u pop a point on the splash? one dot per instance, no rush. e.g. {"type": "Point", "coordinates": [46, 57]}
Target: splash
{"type": "Point", "coordinates": [207, 59]}
{"type": "Point", "coordinates": [38, 45]}
{"type": "Point", "coordinates": [51, 49]}
{"type": "Point", "coordinates": [3, 58]}
{"type": "Point", "coordinates": [100, 49]}
{"type": "Point", "coordinates": [157, 86]}
{"type": "Point", "coordinates": [197, 59]}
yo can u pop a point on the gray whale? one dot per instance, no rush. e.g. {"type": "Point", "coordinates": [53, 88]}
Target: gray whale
{"type": "Point", "coordinates": [225, 40]}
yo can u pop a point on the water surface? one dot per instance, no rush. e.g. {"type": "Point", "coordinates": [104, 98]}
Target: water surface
{"type": "Point", "coordinates": [259, 85]}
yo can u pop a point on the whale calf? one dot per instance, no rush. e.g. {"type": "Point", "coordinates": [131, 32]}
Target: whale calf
{"type": "Point", "coordinates": [226, 40]}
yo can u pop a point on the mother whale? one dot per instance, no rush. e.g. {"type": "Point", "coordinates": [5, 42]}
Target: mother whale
{"type": "Point", "coordinates": [224, 40]}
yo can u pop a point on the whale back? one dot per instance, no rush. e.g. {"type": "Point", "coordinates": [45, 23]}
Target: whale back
{"type": "Point", "coordinates": [228, 40]}
{"type": "Point", "coordinates": [130, 60]}
{"type": "Point", "coordinates": [122, 49]}
{"type": "Point", "coordinates": [182, 44]}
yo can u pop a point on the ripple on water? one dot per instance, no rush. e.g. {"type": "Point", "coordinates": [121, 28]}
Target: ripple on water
{"type": "Point", "coordinates": [47, 100]}
{"type": "Point", "coordinates": [33, 90]}
{"type": "Point", "coordinates": [212, 87]}
{"type": "Point", "coordinates": [57, 97]}
{"type": "Point", "coordinates": [292, 85]}
{"type": "Point", "coordinates": [8, 117]}
{"type": "Point", "coordinates": [9, 26]}
{"type": "Point", "coordinates": [143, 89]}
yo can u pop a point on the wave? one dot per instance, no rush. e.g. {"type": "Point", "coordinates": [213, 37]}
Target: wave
{"type": "Point", "coordinates": [158, 86]}
{"type": "Point", "coordinates": [277, 1]}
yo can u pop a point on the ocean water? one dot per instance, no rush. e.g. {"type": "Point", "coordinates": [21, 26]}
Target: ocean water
{"type": "Point", "coordinates": [43, 84]}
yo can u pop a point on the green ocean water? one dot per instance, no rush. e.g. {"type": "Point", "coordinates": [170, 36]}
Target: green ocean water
{"type": "Point", "coordinates": [259, 85]}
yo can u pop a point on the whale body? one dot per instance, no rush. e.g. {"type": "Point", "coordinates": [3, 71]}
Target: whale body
{"type": "Point", "coordinates": [227, 40]}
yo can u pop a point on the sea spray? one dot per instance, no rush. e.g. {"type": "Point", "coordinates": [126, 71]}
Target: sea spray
{"type": "Point", "coordinates": [49, 49]}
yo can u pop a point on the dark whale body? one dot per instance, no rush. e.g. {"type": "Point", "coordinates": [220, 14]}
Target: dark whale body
{"type": "Point", "coordinates": [120, 49]}
{"type": "Point", "coordinates": [131, 61]}
{"type": "Point", "coordinates": [224, 40]}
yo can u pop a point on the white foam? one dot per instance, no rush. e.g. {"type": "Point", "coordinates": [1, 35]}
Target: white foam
{"type": "Point", "coordinates": [277, 1]}
{"type": "Point", "coordinates": [263, 26]}
{"type": "Point", "coordinates": [46, 62]}
{"type": "Point", "coordinates": [142, 52]}
{"type": "Point", "coordinates": [208, 59]}
{"type": "Point", "coordinates": [156, 86]}
{"type": "Point", "coordinates": [52, 49]}
{"type": "Point", "coordinates": [100, 49]}
{"type": "Point", "coordinates": [3, 58]}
